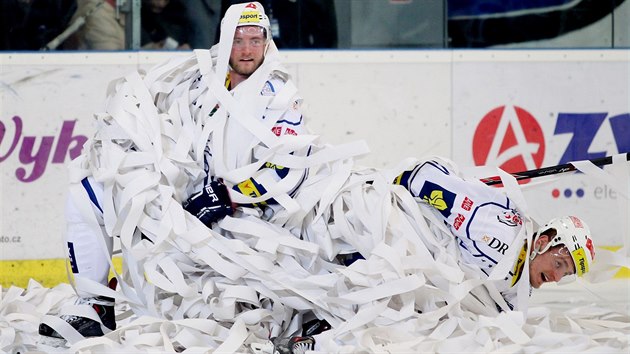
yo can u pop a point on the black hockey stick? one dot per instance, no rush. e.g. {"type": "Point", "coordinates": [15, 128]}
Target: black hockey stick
{"type": "Point", "coordinates": [551, 170]}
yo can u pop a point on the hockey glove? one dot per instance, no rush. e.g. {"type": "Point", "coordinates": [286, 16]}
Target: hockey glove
{"type": "Point", "coordinates": [211, 204]}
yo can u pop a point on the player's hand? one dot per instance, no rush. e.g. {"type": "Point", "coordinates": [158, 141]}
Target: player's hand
{"type": "Point", "coordinates": [211, 204]}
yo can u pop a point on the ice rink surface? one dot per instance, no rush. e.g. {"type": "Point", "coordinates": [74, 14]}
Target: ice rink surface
{"type": "Point", "coordinates": [613, 294]}
{"type": "Point", "coordinates": [574, 318]}
{"type": "Point", "coordinates": [588, 308]}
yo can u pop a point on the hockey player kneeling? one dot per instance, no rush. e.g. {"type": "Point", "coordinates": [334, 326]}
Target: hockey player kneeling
{"type": "Point", "coordinates": [253, 74]}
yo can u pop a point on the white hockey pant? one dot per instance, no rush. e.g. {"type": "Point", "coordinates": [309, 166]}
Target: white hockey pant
{"type": "Point", "coordinates": [85, 244]}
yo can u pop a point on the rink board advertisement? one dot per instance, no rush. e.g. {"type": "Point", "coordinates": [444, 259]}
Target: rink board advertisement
{"type": "Point", "coordinates": [410, 103]}
{"type": "Point", "coordinates": [526, 114]}
{"type": "Point", "coordinates": [47, 115]}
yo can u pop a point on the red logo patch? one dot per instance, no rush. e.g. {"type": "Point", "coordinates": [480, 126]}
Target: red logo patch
{"type": "Point", "coordinates": [276, 130]}
{"type": "Point", "coordinates": [459, 220]}
{"type": "Point", "coordinates": [577, 222]}
{"type": "Point", "coordinates": [251, 5]}
{"type": "Point", "coordinates": [589, 245]}
{"type": "Point", "coordinates": [290, 131]}
{"type": "Point", "coordinates": [467, 204]}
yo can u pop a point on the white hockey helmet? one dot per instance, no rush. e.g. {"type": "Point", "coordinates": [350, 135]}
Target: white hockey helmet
{"type": "Point", "coordinates": [573, 233]}
{"type": "Point", "coordinates": [253, 14]}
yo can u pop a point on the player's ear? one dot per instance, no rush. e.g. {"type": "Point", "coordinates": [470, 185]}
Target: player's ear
{"type": "Point", "coordinates": [541, 242]}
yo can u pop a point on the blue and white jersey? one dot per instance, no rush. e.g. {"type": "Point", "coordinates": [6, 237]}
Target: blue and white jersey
{"type": "Point", "coordinates": [288, 120]}
{"type": "Point", "coordinates": [483, 219]}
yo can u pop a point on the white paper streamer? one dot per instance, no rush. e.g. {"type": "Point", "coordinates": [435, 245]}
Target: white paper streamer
{"type": "Point", "coordinates": [195, 289]}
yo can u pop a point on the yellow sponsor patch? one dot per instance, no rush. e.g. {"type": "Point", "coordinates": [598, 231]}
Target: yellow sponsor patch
{"type": "Point", "coordinates": [249, 188]}
{"type": "Point", "coordinates": [437, 200]}
{"type": "Point", "coordinates": [519, 265]}
{"type": "Point", "coordinates": [580, 260]}
{"type": "Point", "coordinates": [249, 17]}
{"type": "Point", "coordinates": [273, 166]}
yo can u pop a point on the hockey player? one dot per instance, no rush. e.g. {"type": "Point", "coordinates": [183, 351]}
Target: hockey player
{"type": "Point", "coordinates": [254, 74]}
{"type": "Point", "coordinates": [489, 230]}
{"type": "Point", "coordinates": [486, 224]}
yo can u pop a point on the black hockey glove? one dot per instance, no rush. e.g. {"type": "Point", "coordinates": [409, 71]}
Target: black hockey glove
{"type": "Point", "coordinates": [211, 204]}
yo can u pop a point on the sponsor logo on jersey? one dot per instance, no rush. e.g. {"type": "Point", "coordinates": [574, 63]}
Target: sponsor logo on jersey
{"type": "Point", "coordinates": [267, 89]}
{"type": "Point", "coordinates": [252, 189]}
{"type": "Point", "coordinates": [467, 204]}
{"type": "Point", "coordinates": [580, 260]}
{"type": "Point", "coordinates": [459, 220]}
{"type": "Point", "coordinates": [519, 265]}
{"type": "Point", "coordinates": [274, 166]}
{"type": "Point", "coordinates": [510, 218]}
{"type": "Point", "coordinates": [495, 244]}
{"type": "Point", "coordinates": [438, 197]}
{"type": "Point", "coordinates": [287, 131]}
{"type": "Point", "coordinates": [280, 170]}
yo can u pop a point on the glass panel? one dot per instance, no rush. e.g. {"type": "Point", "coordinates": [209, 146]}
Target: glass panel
{"type": "Point", "coordinates": [319, 24]}
{"type": "Point", "coordinates": [537, 23]}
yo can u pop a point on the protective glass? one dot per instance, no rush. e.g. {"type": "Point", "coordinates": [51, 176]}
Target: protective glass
{"type": "Point", "coordinates": [251, 30]}
{"type": "Point", "coordinates": [253, 42]}
{"type": "Point", "coordinates": [258, 34]}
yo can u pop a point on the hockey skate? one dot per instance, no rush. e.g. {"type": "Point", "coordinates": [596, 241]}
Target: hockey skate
{"type": "Point", "coordinates": [104, 308]}
{"type": "Point", "coordinates": [293, 345]}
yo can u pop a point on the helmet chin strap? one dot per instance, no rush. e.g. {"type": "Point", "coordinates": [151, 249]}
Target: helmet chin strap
{"type": "Point", "coordinates": [536, 250]}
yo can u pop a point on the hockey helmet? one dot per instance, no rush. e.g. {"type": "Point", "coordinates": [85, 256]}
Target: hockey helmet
{"type": "Point", "coordinates": [253, 14]}
{"type": "Point", "coordinates": [575, 235]}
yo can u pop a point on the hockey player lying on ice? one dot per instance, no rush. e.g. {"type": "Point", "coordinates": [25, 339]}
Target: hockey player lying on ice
{"type": "Point", "coordinates": [314, 240]}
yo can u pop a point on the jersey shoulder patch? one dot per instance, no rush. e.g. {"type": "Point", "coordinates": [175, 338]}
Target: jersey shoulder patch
{"type": "Point", "coordinates": [439, 197]}
{"type": "Point", "coordinates": [272, 86]}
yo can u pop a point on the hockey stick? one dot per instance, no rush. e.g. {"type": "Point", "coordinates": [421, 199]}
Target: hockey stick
{"type": "Point", "coordinates": [551, 170]}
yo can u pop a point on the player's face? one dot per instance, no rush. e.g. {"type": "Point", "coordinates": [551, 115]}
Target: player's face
{"type": "Point", "coordinates": [248, 50]}
{"type": "Point", "coordinates": [550, 266]}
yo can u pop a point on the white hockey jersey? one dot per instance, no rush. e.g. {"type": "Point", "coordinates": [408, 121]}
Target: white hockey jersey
{"type": "Point", "coordinates": [284, 120]}
{"type": "Point", "coordinates": [281, 115]}
{"type": "Point", "coordinates": [483, 219]}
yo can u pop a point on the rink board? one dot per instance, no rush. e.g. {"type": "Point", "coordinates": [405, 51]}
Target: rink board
{"type": "Point", "coordinates": [559, 105]}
